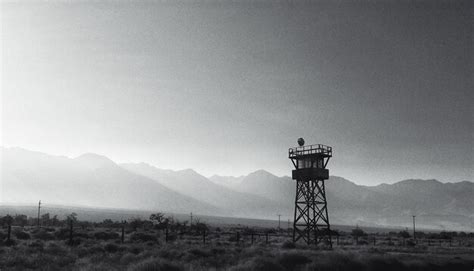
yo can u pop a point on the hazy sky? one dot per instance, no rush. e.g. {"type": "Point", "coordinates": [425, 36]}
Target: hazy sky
{"type": "Point", "coordinates": [227, 88]}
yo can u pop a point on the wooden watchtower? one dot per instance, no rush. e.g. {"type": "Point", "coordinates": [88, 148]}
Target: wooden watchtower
{"type": "Point", "coordinates": [311, 220]}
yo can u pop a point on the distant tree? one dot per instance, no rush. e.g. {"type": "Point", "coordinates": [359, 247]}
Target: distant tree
{"type": "Point", "coordinates": [45, 220]}
{"type": "Point", "coordinates": [358, 232]}
{"type": "Point", "coordinates": [109, 223]}
{"type": "Point", "coordinates": [136, 223]}
{"type": "Point", "coordinates": [420, 234]}
{"type": "Point", "coordinates": [55, 221]}
{"type": "Point", "coordinates": [157, 218]}
{"type": "Point", "coordinates": [162, 222]}
{"type": "Point", "coordinates": [199, 226]}
{"type": "Point", "coordinates": [72, 217]}
{"type": "Point", "coordinates": [20, 220]}
{"type": "Point", "coordinates": [447, 235]}
{"type": "Point", "coordinates": [404, 234]}
{"type": "Point", "coordinates": [6, 220]}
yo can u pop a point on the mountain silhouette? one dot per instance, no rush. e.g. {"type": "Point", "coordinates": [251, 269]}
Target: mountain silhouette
{"type": "Point", "coordinates": [96, 181]}
{"type": "Point", "coordinates": [89, 180]}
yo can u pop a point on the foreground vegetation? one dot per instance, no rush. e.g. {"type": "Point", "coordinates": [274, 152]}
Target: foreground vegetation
{"type": "Point", "coordinates": [163, 244]}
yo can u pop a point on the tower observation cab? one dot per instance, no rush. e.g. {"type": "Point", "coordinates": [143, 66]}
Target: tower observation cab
{"type": "Point", "coordinates": [311, 221]}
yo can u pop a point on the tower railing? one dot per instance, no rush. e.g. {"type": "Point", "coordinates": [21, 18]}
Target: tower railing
{"type": "Point", "coordinates": [310, 150]}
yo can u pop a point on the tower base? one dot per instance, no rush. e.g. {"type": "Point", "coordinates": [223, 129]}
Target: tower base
{"type": "Point", "coordinates": [311, 221]}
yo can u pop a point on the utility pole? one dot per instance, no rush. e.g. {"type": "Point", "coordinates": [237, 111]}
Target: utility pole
{"type": "Point", "coordinates": [191, 219]}
{"type": "Point", "coordinates": [414, 236]}
{"type": "Point", "coordinates": [39, 207]}
{"type": "Point", "coordinates": [278, 220]}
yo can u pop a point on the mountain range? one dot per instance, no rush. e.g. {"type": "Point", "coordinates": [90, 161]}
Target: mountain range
{"type": "Point", "coordinates": [96, 181]}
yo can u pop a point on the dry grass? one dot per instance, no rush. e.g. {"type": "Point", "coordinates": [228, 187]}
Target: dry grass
{"type": "Point", "coordinates": [100, 249]}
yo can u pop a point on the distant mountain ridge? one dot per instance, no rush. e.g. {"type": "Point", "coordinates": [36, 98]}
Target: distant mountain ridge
{"type": "Point", "coordinates": [189, 182]}
{"type": "Point", "coordinates": [89, 180]}
{"type": "Point", "coordinates": [95, 180]}
{"type": "Point", "coordinates": [437, 205]}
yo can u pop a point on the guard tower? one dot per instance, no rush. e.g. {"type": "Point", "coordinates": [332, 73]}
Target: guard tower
{"type": "Point", "coordinates": [311, 221]}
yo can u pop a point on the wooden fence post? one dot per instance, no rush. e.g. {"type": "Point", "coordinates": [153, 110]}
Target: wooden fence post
{"type": "Point", "coordinates": [266, 237]}
{"type": "Point", "coordinates": [337, 239]}
{"type": "Point", "coordinates": [123, 232]}
{"type": "Point", "coordinates": [252, 238]}
{"type": "Point", "coordinates": [204, 236]}
{"type": "Point", "coordinates": [9, 231]}
{"type": "Point", "coordinates": [71, 224]}
{"type": "Point", "coordinates": [166, 234]}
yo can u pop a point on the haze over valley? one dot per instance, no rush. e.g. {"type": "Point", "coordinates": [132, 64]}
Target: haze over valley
{"type": "Point", "coordinates": [96, 181]}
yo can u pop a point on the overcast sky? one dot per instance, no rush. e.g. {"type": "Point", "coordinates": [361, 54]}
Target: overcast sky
{"type": "Point", "coordinates": [228, 88]}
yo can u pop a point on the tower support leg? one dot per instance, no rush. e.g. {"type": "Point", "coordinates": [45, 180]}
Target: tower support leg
{"type": "Point", "coordinates": [311, 220]}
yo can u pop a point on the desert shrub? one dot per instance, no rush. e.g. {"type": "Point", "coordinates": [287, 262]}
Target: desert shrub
{"type": "Point", "coordinates": [102, 235]}
{"type": "Point", "coordinates": [155, 265]}
{"type": "Point", "coordinates": [96, 249]}
{"type": "Point", "coordinates": [48, 229]}
{"type": "Point", "coordinates": [21, 235]}
{"type": "Point", "coordinates": [200, 253]}
{"type": "Point", "coordinates": [336, 261]}
{"type": "Point", "coordinates": [9, 243]}
{"type": "Point", "coordinates": [135, 249]}
{"type": "Point", "coordinates": [42, 261]}
{"type": "Point", "coordinates": [233, 238]}
{"type": "Point", "coordinates": [15, 261]}
{"type": "Point", "coordinates": [358, 232]}
{"type": "Point", "coordinates": [37, 245]}
{"type": "Point", "coordinates": [410, 243]}
{"type": "Point", "coordinates": [375, 250]}
{"type": "Point", "coordinates": [74, 242]}
{"type": "Point", "coordinates": [82, 234]}
{"type": "Point", "coordinates": [56, 249]}
{"type": "Point", "coordinates": [64, 261]}
{"type": "Point", "coordinates": [62, 234]}
{"type": "Point", "coordinates": [259, 264]}
{"type": "Point", "coordinates": [43, 235]}
{"type": "Point", "coordinates": [128, 258]}
{"type": "Point", "coordinates": [288, 245]}
{"type": "Point", "coordinates": [82, 252]}
{"type": "Point", "coordinates": [292, 260]}
{"type": "Point", "coordinates": [111, 248]}
{"type": "Point", "coordinates": [403, 234]}
{"type": "Point", "coordinates": [171, 254]}
{"type": "Point", "coordinates": [172, 237]}
{"type": "Point", "coordinates": [384, 263]}
{"type": "Point", "coordinates": [218, 251]}
{"type": "Point", "coordinates": [142, 237]}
